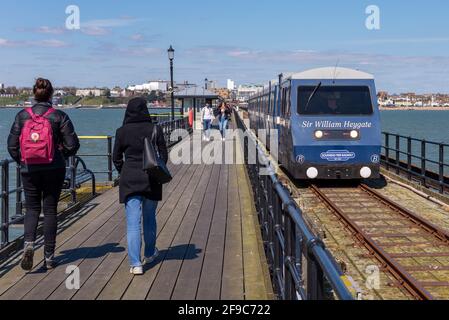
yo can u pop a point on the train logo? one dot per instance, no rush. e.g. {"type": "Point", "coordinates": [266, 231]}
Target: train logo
{"type": "Point", "coordinates": [375, 158]}
{"type": "Point", "coordinates": [300, 159]}
{"type": "Point", "coordinates": [337, 155]}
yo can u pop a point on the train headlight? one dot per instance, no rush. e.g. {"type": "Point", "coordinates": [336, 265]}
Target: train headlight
{"type": "Point", "coordinates": [354, 134]}
{"type": "Point", "coordinates": [365, 172]}
{"type": "Point", "coordinates": [312, 173]}
{"type": "Point", "coordinates": [319, 134]}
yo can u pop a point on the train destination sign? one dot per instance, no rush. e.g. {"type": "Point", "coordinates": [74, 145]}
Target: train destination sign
{"type": "Point", "coordinates": [337, 124]}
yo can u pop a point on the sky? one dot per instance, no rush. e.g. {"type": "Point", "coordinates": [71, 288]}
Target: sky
{"type": "Point", "coordinates": [125, 42]}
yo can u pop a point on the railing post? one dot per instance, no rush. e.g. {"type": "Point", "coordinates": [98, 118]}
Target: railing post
{"type": "Point", "coordinates": [441, 167]}
{"type": "Point", "coordinates": [110, 159]}
{"type": "Point", "coordinates": [423, 163]}
{"type": "Point", "coordinates": [277, 271]}
{"type": "Point", "coordinates": [5, 203]}
{"type": "Point", "coordinates": [398, 154]}
{"type": "Point", "coordinates": [387, 149]}
{"type": "Point", "coordinates": [19, 191]}
{"type": "Point", "coordinates": [409, 157]}
{"type": "Point", "coordinates": [289, 281]}
{"type": "Point", "coordinates": [315, 279]}
{"type": "Point", "coordinates": [72, 179]}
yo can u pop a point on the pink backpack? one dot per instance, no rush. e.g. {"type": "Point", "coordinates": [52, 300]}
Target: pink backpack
{"type": "Point", "coordinates": [36, 139]}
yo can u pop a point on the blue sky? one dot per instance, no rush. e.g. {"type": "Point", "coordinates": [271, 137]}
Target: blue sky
{"type": "Point", "coordinates": [251, 41]}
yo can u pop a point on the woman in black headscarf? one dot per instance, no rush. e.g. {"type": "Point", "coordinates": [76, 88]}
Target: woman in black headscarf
{"type": "Point", "coordinates": [139, 194]}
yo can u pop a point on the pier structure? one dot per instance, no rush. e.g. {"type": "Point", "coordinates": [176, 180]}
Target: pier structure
{"type": "Point", "coordinates": [227, 232]}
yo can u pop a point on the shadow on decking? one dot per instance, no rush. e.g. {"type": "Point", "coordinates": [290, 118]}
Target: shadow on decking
{"type": "Point", "coordinates": [182, 252]}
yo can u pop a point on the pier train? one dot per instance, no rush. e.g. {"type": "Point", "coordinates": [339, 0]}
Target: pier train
{"type": "Point", "coordinates": [328, 123]}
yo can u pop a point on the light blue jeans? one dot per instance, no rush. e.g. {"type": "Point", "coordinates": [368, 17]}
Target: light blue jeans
{"type": "Point", "coordinates": [139, 208]}
{"type": "Point", "coordinates": [206, 127]}
{"type": "Point", "coordinates": [223, 126]}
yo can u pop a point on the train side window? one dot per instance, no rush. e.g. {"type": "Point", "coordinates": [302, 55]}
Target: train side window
{"type": "Point", "coordinates": [288, 103]}
{"type": "Point", "coordinates": [283, 102]}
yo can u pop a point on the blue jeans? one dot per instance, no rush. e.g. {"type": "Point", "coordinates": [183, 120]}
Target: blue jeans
{"type": "Point", "coordinates": [223, 126]}
{"type": "Point", "coordinates": [138, 207]}
{"type": "Point", "coordinates": [206, 127]}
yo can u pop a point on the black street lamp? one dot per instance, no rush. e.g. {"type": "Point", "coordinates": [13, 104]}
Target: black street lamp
{"type": "Point", "coordinates": [171, 57]}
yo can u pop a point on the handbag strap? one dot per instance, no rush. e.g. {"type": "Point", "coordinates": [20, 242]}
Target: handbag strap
{"type": "Point", "coordinates": [154, 138]}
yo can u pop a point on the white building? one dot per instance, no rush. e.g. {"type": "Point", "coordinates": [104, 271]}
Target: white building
{"type": "Point", "coordinates": [90, 92]}
{"type": "Point", "coordinates": [245, 91]}
{"type": "Point", "coordinates": [230, 85]}
{"type": "Point", "coordinates": [2, 86]}
{"type": "Point", "coordinates": [157, 85]}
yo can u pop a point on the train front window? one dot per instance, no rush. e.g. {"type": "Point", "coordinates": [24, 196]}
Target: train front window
{"type": "Point", "coordinates": [334, 100]}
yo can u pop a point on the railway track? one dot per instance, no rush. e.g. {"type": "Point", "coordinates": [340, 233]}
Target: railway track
{"type": "Point", "coordinates": [407, 246]}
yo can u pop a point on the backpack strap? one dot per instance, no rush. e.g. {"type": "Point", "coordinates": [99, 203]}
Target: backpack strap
{"type": "Point", "coordinates": [34, 116]}
{"type": "Point", "coordinates": [49, 112]}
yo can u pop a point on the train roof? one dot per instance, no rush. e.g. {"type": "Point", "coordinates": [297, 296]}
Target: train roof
{"type": "Point", "coordinates": [332, 73]}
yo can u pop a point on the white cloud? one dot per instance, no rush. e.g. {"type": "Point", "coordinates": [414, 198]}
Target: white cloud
{"type": "Point", "coordinates": [101, 27]}
{"type": "Point", "coordinates": [50, 30]}
{"type": "Point", "coordinates": [50, 43]}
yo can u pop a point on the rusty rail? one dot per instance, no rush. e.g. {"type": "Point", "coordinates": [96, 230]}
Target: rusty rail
{"type": "Point", "coordinates": [404, 278]}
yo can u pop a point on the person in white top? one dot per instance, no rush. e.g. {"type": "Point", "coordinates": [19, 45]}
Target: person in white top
{"type": "Point", "coordinates": [207, 116]}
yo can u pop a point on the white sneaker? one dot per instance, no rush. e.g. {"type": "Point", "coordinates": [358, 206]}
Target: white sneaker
{"type": "Point", "coordinates": [137, 271]}
{"type": "Point", "coordinates": [151, 259]}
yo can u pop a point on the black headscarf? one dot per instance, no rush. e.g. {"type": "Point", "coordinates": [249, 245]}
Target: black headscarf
{"type": "Point", "coordinates": [137, 111]}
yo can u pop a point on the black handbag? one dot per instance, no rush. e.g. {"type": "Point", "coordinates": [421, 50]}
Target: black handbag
{"type": "Point", "coordinates": [153, 164]}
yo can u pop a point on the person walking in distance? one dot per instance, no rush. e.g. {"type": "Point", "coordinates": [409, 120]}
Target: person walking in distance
{"type": "Point", "coordinates": [138, 191]}
{"type": "Point", "coordinates": [207, 116]}
{"type": "Point", "coordinates": [41, 139]}
{"type": "Point", "coordinates": [224, 115]}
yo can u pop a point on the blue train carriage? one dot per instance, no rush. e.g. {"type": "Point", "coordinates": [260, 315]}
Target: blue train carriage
{"type": "Point", "coordinates": [330, 125]}
{"type": "Point", "coordinates": [263, 110]}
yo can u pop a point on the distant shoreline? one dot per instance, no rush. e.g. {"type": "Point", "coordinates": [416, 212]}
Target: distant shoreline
{"type": "Point", "coordinates": [96, 107]}
{"type": "Point", "coordinates": [415, 109]}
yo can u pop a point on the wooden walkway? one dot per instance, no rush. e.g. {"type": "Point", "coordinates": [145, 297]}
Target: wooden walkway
{"type": "Point", "coordinates": [207, 233]}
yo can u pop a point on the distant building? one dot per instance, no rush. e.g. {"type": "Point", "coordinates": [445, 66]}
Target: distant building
{"type": "Point", "coordinates": [157, 85]}
{"type": "Point", "coordinates": [94, 92]}
{"type": "Point", "coordinates": [2, 86]}
{"type": "Point", "coordinates": [60, 92]}
{"type": "Point", "coordinates": [230, 85]}
{"type": "Point", "coordinates": [184, 85]}
{"type": "Point", "coordinates": [210, 84]}
{"type": "Point", "coordinates": [222, 93]}
{"type": "Point", "coordinates": [245, 91]}
{"type": "Point", "coordinates": [118, 92]}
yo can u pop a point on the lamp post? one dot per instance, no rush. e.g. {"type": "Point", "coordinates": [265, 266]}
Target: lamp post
{"type": "Point", "coordinates": [171, 57]}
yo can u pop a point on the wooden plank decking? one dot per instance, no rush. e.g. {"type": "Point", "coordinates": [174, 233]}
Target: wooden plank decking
{"type": "Point", "coordinates": [207, 233]}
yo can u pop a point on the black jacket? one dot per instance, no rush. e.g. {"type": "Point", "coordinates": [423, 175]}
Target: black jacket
{"type": "Point", "coordinates": [64, 136]}
{"type": "Point", "coordinates": [129, 141]}
{"type": "Point", "coordinates": [219, 114]}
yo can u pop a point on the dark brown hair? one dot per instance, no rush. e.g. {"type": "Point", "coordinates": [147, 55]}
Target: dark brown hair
{"type": "Point", "coordinates": [43, 90]}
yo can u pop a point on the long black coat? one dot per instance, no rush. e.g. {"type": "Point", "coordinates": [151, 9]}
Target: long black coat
{"type": "Point", "coordinates": [129, 141]}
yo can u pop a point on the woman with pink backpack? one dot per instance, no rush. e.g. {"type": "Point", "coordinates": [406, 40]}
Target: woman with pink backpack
{"type": "Point", "coordinates": [41, 139]}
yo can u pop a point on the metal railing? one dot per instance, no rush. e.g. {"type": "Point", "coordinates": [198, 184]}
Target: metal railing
{"type": "Point", "coordinates": [169, 126]}
{"type": "Point", "coordinates": [421, 160]}
{"type": "Point", "coordinates": [300, 265]}
{"type": "Point", "coordinates": [5, 195]}
{"type": "Point", "coordinates": [108, 155]}
{"type": "Point", "coordinates": [78, 173]}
